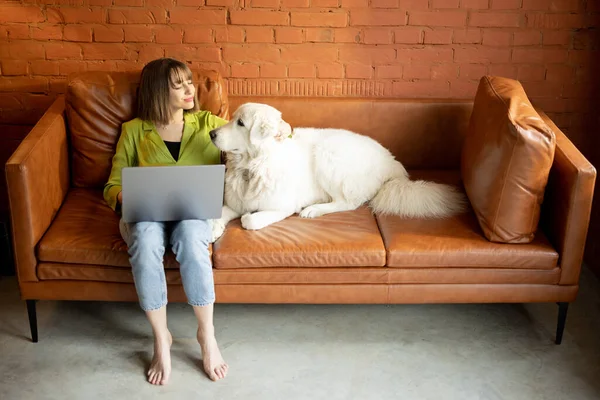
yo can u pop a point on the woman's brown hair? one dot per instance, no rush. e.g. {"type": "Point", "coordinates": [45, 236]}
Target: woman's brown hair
{"type": "Point", "coordinates": [158, 76]}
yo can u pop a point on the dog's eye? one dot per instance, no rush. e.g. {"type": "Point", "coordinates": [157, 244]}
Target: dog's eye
{"type": "Point", "coordinates": [240, 122]}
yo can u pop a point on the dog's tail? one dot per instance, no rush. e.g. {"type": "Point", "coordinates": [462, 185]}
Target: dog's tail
{"type": "Point", "coordinates": [420, 199]}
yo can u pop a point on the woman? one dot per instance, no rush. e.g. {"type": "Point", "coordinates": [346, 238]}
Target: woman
{"type": "Point", "coordinates": [169, 130]}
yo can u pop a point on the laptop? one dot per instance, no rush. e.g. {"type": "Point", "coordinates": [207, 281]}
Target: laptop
{"type": "Point", "coordinates": [172, 193]}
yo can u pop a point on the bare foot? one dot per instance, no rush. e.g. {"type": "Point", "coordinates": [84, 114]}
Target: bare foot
{"type": "Point", "coordinates": [215, 367]}
{"type": "Point", "coordinates": [160, 368]}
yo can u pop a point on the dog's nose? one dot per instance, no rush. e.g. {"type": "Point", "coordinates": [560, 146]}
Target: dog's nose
{"type": "Point", "coordinates": [212, 134]}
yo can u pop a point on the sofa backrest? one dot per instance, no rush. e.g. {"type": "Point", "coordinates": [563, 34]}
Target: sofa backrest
{"type": "Point", "coordinates": [422, 134]}
{"type": "Point", "coordinates": [97, 103]}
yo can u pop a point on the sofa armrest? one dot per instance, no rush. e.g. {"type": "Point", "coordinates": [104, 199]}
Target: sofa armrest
{"type": "Point", "coordinates": [567, 204]}
{"type": "Point", "coordinates": [37, 176]}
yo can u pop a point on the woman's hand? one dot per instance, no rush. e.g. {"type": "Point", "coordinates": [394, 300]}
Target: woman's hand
{"type": "Point", "coordinates": [120, 197]}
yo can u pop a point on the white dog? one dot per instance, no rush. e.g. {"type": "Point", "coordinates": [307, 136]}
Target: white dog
{"type": "Point", "coordinates": [274, 172]}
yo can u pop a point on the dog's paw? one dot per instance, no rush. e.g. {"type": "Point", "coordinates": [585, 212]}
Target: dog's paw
{"type": "Point", "coordinates": [252, 222]}
{"type": "Point", "coordinates": [218, 228]}
{"type": "Point", "coordinates": [311, 212]}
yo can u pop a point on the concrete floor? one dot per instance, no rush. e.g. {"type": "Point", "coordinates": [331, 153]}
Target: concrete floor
{"type": "Point", "coordinates": [92, 350]}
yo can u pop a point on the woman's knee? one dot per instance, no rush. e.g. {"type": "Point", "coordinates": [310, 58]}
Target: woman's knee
{"type": "Point", "coordinates": [191, 231]}
{"type": "Point", "coordinates": [147, 237]}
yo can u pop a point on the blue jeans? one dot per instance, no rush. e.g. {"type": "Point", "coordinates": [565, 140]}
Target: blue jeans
{"type": "Point", "coordinates": [189, 239]}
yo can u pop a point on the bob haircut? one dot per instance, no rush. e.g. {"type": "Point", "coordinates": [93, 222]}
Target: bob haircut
{"type": "Point", "coordinates": [158, 77]}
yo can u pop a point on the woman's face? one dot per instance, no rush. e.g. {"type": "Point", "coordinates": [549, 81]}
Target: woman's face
{"type": "Point", "coordinates": [181, 92]}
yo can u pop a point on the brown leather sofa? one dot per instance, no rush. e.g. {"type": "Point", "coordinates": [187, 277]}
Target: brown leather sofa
{"type": "Point", "coordinates": [67, 244]}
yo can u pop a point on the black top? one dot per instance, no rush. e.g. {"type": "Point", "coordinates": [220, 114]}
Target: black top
{"type": "Point", "coordinates": [173, 148]}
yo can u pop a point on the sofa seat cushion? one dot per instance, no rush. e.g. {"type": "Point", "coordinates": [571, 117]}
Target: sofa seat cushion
{"type": "Point", "coordinates": [456, 241]}
{"type": "Point", "coordinates": [86, 231]}
{"type": "Point", "coordinates": [350, 239]}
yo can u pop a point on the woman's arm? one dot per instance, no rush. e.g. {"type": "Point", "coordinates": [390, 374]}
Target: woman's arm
{"type": "Point", "coordinates": [216, 122]}
{"type": "Point", "coordinates": [124, 157]}
{"type": "Point", "coordinates": [209, 120]}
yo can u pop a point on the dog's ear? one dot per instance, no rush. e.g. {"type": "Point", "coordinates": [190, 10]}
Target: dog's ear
{"type": "Point", "coordinates": [265, 126]}
{"type": "Point", "coordinates": [284, 130]}
{"type": "Point", "coordinates": [261, 129]}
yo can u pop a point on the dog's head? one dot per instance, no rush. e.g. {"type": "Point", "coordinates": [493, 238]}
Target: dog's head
{"type": "Point", "coordinates": [252, 126]}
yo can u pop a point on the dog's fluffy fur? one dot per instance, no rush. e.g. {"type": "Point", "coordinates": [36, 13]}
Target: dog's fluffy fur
{"type": "Point", "coordinates": [274, 172]}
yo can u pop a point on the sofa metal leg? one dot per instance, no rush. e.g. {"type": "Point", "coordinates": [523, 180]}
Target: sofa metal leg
{"type": "Point", "coordinates": [32, 320]}
{"type": "Point", "coordinates": [562, 317]}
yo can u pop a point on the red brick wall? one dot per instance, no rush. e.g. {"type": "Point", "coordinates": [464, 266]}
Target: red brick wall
{"type": "Point", "coordinates": [403, 48]}
{"type": "Point", "coordinates": [407, 48]}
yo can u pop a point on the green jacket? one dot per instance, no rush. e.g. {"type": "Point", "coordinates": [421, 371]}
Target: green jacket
{"type": "Point", "coordinates": [141, 145]}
